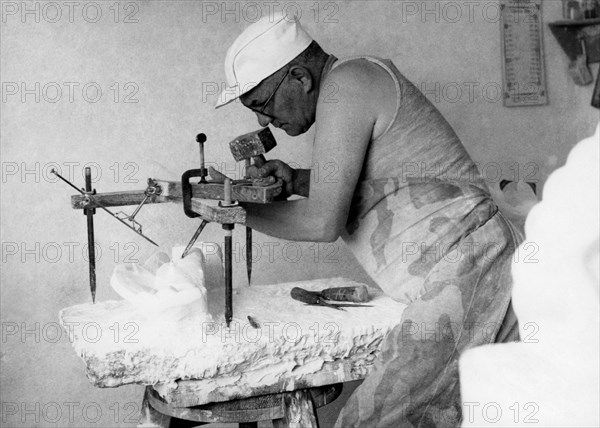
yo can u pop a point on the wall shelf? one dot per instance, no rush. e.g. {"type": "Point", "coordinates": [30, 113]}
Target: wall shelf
{"type": "Point", "coordinates": [575, 22]}
{"type": "Point", "coordinates": [568, 34]}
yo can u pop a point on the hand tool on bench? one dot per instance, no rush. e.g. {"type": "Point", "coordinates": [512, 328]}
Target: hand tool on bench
{"type": "Point", "coordinates": [326, 297]}
{"type": "Point", "coordinates": [244, 148]}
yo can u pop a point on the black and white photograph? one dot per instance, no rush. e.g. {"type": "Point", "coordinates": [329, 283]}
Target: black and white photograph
{"type": "Point", "coordinates": [254, 214]}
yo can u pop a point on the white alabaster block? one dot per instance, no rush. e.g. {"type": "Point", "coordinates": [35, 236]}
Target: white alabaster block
{"type": "Point", "coordinates": [295, 345]}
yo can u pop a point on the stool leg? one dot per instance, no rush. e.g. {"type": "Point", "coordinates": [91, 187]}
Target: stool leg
{"type": "Point", "coordinates": [299, 411]}
{"type": "Point", "coordinates": [149, 417]}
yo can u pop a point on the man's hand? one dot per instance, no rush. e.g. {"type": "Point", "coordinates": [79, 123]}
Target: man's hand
{"type": "Point", "coordinates": [274, 168]}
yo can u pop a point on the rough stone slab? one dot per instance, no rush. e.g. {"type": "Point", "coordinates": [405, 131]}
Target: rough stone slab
{"type": "Point", "coordinates": [296, 345]}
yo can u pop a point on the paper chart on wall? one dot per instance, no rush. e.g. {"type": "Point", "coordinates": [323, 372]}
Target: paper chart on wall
{"type": "Point", "coordinates": [523, 72]}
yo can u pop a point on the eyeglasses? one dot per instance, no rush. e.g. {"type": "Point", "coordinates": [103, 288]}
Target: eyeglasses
{"type": "Point", "coordinates": [266, 103]}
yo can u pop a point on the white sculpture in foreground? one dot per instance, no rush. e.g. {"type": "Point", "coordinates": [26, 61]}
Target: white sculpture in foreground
{"type": "Point", "coordinates": [172, 289]}
{"type": "Point", "coordinates": [550, 378]}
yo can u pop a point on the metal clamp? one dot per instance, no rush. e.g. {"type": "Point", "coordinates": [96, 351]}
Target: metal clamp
{"type": "Point", "coordinates": [186, 190]}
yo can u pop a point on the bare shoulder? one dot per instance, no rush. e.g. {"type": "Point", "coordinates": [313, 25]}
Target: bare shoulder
{"type": "Point", "coordinates": [364, 85]}
{"type": "Point", "coordinates": [362, 75]}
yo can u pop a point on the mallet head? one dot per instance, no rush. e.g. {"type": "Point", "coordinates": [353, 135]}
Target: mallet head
{"type": "Point", "coordinates": [252, 144]}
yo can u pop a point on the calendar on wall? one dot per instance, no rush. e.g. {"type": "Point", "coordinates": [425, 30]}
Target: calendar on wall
{"type": "Point", "coordinates": [523, 72]}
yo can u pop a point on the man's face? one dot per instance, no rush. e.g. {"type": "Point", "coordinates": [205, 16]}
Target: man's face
{"type": "Point", "coordinates": [281, 100]}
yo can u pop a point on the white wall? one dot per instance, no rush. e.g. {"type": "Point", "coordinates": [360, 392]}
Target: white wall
{"type": "Point", "coordinates": [172, 57]}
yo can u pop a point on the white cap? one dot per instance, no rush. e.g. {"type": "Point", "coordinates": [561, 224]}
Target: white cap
{"type": "Point", "coordinates": [262, 49]}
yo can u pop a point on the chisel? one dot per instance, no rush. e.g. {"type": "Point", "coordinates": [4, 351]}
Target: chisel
{"type": "Point", "coordinates": [323, 298]}
{"type": "Point", "coordinates": [89, 212]}
{"type": "Point", "coordinates": [228, 228]}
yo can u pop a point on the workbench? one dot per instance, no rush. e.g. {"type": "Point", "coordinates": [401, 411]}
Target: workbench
{"type": "Point", "coordinates": [291, 347]}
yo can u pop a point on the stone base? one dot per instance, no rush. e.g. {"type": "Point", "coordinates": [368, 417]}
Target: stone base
{"type": "Point", "coordinates": [295, 346]}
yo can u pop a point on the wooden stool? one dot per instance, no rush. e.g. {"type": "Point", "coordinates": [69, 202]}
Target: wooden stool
{"type": "Point", "coordinates": [286, 409]}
